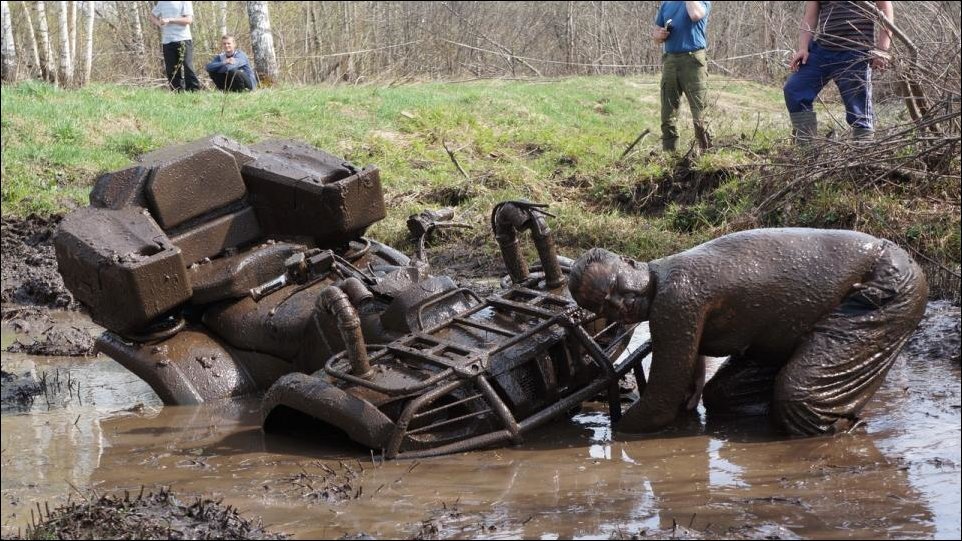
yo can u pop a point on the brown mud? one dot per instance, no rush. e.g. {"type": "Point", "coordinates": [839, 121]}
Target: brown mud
{"type": "Point", "coordinates": [28, 275]}
{"type": "Point", "coordinates": [86, 424]}
{"type": "Point", "coordinates": [897, 476]}
{"type": "Point", "coordinates": [156, 515]}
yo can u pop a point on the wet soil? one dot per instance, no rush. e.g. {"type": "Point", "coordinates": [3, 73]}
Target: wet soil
{"type": "Point", "coordinates": [897, 476]}
{"type": "Point", "coordinates": [28, 273]}
{"type": "Point", "coordinates": [156, 515]}
{"type": "Point", "coordinates": [683, 185]}
{"type": "Point", "coordinates": [940, 333]}
{"type": "Point", "coordinates": [90, 425]}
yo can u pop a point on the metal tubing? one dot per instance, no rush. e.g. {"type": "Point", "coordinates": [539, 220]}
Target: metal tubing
{"type": "Point", "coordinates": [335, 301]}
{"type": "Point", "coordinates": [401, 426]}
{"type": "Point", "coordinates": [510, 217]}
{"type": "Point", "coordinates": [510, 423]}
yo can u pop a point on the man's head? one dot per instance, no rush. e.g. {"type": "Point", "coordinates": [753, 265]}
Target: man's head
{"type": "Point", "coordinates": [229, 44]}
{"type": "Point", "coordinates": [613, 286]}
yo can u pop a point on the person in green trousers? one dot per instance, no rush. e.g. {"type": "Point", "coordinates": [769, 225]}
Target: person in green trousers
{"type": "Point", "coordinates": [681, 26]}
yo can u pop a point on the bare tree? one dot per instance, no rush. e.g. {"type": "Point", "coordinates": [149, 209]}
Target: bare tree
{"type": "Point", "coordinates": [90, 6]}
{"type": "Point", "coordinates": [72, 30]}
{"type": "Point", "coordinates": [262, 43]}
{"type": "Point", "coordinates": [139, 45]}
{"type": "Point", "coordinates": [222, 17]}
{"type": "Point", "coordinates": [9, 73]}
{"type": "Point", "coordinates": [31, 39]}
{"type": "Point", "coordinates": [46, 52]}
{"type": "Point", "coordinates": [66, 64]}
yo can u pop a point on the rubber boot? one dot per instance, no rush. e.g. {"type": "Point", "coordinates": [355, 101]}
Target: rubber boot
{"type": "Point", "coordinates": [703, 137]}
{"type": "Point", "coordinates": [863, 135]}
{"type": "Point", "coordinates": [805, 126]}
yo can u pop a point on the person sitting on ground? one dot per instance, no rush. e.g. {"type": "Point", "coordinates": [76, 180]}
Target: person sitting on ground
{"type": "Point", "coordinates": [231, 70]}
{"type": "Point", "coordinates": [812, 321]}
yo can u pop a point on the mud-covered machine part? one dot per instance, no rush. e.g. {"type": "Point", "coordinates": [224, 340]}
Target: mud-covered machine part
{"type": "Point", "coordinates": [480, 377]}
{"type": "Point", "coordinates": [221, 270]}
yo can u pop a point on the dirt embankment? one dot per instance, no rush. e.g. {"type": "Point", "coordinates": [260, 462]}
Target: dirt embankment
{"type": "Point", "coordinates": [28, 274]}
{"type": "Point", "coordinates": [31, 288]}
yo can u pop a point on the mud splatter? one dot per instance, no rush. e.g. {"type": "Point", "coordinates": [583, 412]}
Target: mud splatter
{"type": "Point", "coordinates": [157, 515]}
{"type": "Point", "coordinates": [57, 341]}
{"type": "Point", "coordinates": [318, 481]}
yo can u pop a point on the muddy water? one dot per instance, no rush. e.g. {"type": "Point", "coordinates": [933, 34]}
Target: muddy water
{"type": "Point", "coordinates": [896, 477]}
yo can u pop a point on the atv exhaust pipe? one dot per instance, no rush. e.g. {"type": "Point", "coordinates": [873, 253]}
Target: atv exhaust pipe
{"type": "Point", "coordinates": [507, 219]}
{"type": "Point", "coordinates": [337, 303]}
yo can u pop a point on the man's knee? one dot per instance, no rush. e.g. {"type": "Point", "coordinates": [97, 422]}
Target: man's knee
{"type": "Point", "coordinates": [795, 92]}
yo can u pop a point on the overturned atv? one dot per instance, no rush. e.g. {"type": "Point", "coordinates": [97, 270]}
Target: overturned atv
{"type": "Point", "coordinates": [221, 270]}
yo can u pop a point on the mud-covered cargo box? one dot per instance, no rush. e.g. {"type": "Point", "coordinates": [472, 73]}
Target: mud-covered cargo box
{"type": "Point", "coordinates": [121, 265]}
{"type": "Point", "coordinates": [300, 190]}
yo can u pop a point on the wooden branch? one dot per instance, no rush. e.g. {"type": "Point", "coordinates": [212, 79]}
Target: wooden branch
{"type": "Point", "coordinates": [454, 160]}
{"type": "Point", "coordinates": [634, 143]}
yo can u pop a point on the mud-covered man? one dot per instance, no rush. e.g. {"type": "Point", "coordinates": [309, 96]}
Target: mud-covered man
{"type": "Point", "coordinates": [812, 321]}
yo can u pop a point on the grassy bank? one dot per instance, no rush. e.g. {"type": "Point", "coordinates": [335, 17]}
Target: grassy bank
{"type": "Point", "coordinates": [553, 141]}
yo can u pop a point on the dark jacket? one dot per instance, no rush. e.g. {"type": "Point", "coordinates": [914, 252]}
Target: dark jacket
{"type": "Point", "coordinates": [219, 65]}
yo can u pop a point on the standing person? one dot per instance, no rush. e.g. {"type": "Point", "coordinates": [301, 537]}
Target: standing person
{"type": "Point", "coordinates": [231, 70]}
{"type": "Point", "coordinates": [846, 49]}
{"type": "Point", "coordinates": [174, 20]}
{"type": "Point", "coordinates": [680, 26]}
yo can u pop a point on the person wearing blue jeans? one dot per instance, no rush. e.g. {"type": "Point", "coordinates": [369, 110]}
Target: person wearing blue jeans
{"type": "Point", "coordinates": [846, 49]}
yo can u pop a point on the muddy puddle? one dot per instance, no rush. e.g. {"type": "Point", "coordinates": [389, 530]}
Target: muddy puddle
{"type": "Point", "coordinates": [99, 429]}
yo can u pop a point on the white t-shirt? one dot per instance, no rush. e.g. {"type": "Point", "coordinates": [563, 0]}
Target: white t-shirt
{"type": "Point", "coordinates": [174, 10]}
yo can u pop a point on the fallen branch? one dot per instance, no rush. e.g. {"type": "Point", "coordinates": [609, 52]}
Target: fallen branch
{"type": "Point", "coordinates": [634, 143]}
{"type": "Point", "coordinates": [455, 160]}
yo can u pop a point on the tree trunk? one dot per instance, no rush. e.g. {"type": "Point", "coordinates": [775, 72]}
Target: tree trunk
{"type": "Point", "coordinates": [66, 66]}
{"type": "Point", "coordinates": [89, 49]}
{"type": "Point", "coordinates": [46, 53]}
{"type": "Point", "coordinates": [570, 36]}
{"type": "Point", "coordinates": [9, 69]}
{"type": "Point", "coordinates": [137, 29]}
{"type": "Point", "coordinates": [32, 38]}
{"type": "Point", "coordinates": [222, 18]}
{"type": "Point", "coordinates": [72, 30]}
{"type": "Point", "coordinates": [139, 45]}
{"type": "Point", "coordinates": [262, 43]}
{"type": "Point", "coordinates": [315, 42]}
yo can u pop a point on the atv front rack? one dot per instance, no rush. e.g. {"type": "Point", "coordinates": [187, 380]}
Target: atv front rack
{"type": "Point", "coordinates": [502, 367]}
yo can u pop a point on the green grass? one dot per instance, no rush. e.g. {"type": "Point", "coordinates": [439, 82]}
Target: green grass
{"type": "Point", "coordinates": [549, 141]}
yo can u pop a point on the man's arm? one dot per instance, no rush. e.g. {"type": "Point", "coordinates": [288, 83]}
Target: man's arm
{"type": "Point", "coordinates": [696, 11]}
{"type": "Point", "coordinates": [675, 338]}
{"type": "Point", "coordinates": [186, 15]}
{"type": "Point", "coordinates": [883, 39]}
{"type": "Point", "coordinates": [182, 20]}
{"type": "Point", "coordinates": [240, 60]}
{"type": "Point", "coordinates": [216, 65]}
{"type": "Point", "coordinates": [659, 35]}
{"type": "Point", "coordinates": [807, 30]}
{"type": "Point", "coordinates": [156, 21]}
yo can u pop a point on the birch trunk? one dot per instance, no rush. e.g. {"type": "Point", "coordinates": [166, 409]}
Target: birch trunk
{"type": "Point", "coordinates": [32, 38]}
{"type": "Point", "coordinates": [262, 43]}
{"type": "Point", "coordinates": [66, 66]}
{"type": "Point", "coordinates": [89, 49]}
{"type": "Point", "coordinates": [46, 53]}
{"type": "Point", "coordinates": [72, 30]}
{"type": "Point", "coordinates": [137, 29]}
{"type": "Point", "coordinates": [222, 19]}
{"type": "Point", "coordinates": [9, 69]}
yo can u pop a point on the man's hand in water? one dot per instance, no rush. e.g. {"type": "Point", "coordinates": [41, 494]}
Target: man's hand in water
{"type": "Point", "coordinates": [698, 384]}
